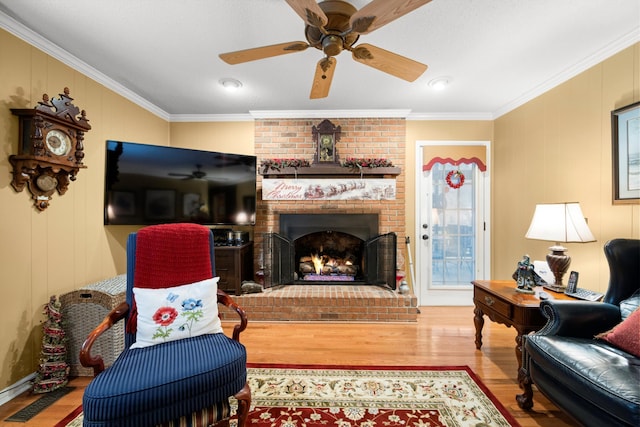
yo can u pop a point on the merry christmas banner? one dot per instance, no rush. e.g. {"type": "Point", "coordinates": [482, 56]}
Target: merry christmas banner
{"type": "Point", "coordinates": [328, 189]}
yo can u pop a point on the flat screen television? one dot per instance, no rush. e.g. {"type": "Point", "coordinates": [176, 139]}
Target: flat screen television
{"type": "Point", "coordinates": [151, 184]}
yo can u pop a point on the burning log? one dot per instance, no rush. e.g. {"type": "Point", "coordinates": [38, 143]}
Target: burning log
{"type": "Point", "coordinates": [325, 265]}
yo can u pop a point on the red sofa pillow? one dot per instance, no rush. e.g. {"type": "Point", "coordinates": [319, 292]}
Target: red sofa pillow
{"type": "Point", "coordinates": [625, 335]}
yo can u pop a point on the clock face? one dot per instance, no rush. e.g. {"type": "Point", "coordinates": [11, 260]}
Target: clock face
{"type": "Point", "coordinates": [326, 148]}
{"type": "Point", "coordinates": [58, 142]}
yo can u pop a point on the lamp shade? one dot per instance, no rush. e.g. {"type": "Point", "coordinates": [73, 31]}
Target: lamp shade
{"type": "Point", "coordinates": [559, 222]}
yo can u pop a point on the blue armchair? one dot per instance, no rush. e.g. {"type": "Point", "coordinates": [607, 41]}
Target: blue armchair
{"type": "Point", "coordinates": [187, 381]}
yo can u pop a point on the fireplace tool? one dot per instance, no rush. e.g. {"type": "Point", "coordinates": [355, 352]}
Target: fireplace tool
{"type": "Point", "coordinates": [407, 241]}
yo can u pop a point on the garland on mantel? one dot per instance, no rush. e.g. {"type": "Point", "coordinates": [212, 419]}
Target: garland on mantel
{"type": "Point", "coordinates": [279, 164]}
{"type": "Point", "coordinates": [350, 162]}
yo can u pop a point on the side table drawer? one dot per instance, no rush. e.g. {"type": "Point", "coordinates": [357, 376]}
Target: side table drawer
{"type": "Point", "coordinates": [494, 303]}
{"type": "Point", "coordinates": [233, 265]}
{"type": "Point", "coordinates": [226, 279]}
{"type": "Point", "coordinates": [225, 270]}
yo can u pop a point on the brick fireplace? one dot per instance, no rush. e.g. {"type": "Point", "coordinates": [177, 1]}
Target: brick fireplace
{"type": "Point", "coordinates": [359, 301]}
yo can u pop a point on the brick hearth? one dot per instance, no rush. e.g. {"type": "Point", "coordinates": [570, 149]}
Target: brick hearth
{"type": "Point", "coordinates": [336, 303]}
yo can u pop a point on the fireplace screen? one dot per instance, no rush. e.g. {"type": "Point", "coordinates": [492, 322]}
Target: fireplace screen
{"type": "Point", "coordinates": [330, 257]}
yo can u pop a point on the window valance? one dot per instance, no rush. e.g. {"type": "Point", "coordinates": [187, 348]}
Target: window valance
{"type": "Point", "coordinates": [454, 154]}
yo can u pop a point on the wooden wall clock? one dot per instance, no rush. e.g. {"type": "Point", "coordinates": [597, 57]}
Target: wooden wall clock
{"type": "Point", "coordinates": [50, 147]}
{"type": "Point", "coordinates": [325, 137]}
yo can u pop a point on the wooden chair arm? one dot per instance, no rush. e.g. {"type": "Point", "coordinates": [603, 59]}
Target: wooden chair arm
{"type": "Point", "coordinates": [226, 300]}
{"type": "Point", "coordinates": [96, 362]}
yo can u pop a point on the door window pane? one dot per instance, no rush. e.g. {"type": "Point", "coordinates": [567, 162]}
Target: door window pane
{"type": "Point", "coordinates": [453, 228]}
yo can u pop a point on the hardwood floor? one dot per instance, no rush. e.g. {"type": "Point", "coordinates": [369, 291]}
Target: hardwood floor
{"type": "Point", "coordinates": [442, 336]}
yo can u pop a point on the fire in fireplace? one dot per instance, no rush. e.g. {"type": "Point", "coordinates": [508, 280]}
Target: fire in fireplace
{"type": "Point", "coordinates": [328, 256]}
{"type": "Point", "coordinates": [325, 248]}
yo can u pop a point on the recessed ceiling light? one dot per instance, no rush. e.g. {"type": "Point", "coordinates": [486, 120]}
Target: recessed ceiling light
{"type": "Point", "coordinates": [230, 84]}
{"type": "Point", "coordinates": [440, 83]}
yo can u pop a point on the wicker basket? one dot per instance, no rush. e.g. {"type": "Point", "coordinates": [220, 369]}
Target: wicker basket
{"type": "Point", "coordinates": [82, 310]}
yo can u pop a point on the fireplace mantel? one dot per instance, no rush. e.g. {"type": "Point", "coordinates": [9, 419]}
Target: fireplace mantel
{"type": "Point", "coordinates": [330, 171]}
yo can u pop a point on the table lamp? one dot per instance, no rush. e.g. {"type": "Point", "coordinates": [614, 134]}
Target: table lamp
{"type": "Point", "coordinates": [559, 223]}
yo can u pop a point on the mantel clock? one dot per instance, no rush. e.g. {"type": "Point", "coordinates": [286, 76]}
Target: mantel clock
{"type": "Point", "coordinates": [50, 147]}
{"type": "Point", "coordinates": [326, 136]}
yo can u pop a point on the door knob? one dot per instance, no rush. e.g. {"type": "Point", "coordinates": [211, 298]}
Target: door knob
{"type": "Point", "coordinates": [425, 237]}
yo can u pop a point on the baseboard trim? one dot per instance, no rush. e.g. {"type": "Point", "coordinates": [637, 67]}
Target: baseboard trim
{"type": "Point", "coordinates": [16, 389]}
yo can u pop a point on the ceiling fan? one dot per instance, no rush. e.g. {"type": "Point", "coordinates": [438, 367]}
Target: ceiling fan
{"type": "Point", "coordinates": [335, 25]}
{"type": "Point", "coordinates": [196, 174]}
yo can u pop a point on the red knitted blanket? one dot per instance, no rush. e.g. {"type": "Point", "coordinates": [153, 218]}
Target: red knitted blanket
{"type": "Point", "coordinates": [171, 255]}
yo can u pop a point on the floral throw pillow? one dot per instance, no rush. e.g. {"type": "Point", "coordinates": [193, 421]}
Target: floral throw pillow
{"type": "Point", "coordinates": [170, 314]}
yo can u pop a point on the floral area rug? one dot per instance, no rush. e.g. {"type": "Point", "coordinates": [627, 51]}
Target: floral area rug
{"type": "Point", "coordinates": [315, 396]}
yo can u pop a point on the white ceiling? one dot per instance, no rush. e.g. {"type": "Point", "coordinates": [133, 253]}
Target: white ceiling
{"type": "Point", "coordinates": [163, 54]}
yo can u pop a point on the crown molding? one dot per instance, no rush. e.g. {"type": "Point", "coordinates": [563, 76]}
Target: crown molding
{"type": "Point", "coordinates": [204, 118]}
{"type": "Point", "coordinates": [314, 114]}
{"type": "Point", "coordinates": [19, 30]}
{"type": "Point", "coordinates": [450, 116]}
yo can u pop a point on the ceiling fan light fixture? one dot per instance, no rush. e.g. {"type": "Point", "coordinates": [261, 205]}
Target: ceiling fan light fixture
{"type": "Point", "coordinates": [332, 45]}
{"type": "Point", "coordinates": [440, 83]}
{"type": "Point", "coordinates": [230, 85]}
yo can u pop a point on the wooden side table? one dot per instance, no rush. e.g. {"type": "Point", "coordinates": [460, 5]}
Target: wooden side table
{"type": "Point", "coordinates": [234, 264]}
{"type": "Point", "coordinates": [499, 301]}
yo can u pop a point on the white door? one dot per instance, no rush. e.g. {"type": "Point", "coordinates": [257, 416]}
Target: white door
{"type": "Point", "coordinates": [452, 246]}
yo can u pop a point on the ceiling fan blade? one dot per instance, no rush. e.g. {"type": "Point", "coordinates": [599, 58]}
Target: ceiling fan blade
{"type": "Point", "coordinates": [380, 12]}
{"type": "Point", "coordinates": [388, 62]}
{"type": "Point", "coordinates": [310, 12]}
{"type": "Point", "coordinates": [323, 77]}
{"type": "Point", "coordinates": [263, 52]}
